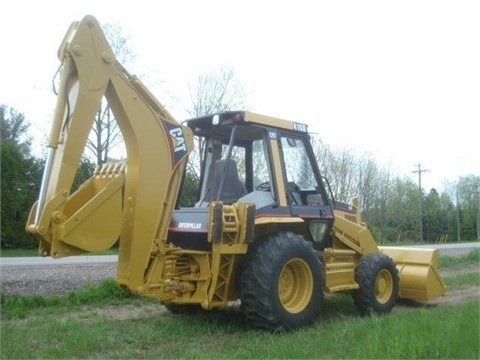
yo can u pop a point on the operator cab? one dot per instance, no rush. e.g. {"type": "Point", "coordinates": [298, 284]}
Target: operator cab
{"type": "Point", "coordinates": [246, 157]}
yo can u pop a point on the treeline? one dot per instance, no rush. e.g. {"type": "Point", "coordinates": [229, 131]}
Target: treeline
{"type": "Point", "coordinates": [390, 203]}
{"type": "Point", "coordinates": [21, 174]}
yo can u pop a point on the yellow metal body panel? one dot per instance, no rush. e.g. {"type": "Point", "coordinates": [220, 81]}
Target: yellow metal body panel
{"type": "Point", "coordinates": [274, 122]}
{"type": "Point", "coordinates": [340, 269]}
{"type": "Point", "coordinates": [349, 229]}
{"type": "Point", "coordinates": [182, 276]}
{"type": "Point", "coordinates": [282, 196]}
{"type": "Point", "coordinates": [354, 235]}
{"type": "Point", "coordinates": [268, 220]}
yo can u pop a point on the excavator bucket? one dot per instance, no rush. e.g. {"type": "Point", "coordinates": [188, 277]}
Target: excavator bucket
{"type": "Point", "coordinates": [94, 211]}
{"type": "Point", "coordinates": [418, 271]}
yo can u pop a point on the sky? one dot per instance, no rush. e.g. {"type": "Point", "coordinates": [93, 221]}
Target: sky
{"type": "Point", "coordinates": [397, 80]}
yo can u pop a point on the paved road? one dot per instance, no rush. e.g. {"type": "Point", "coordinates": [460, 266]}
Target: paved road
{"type": "Point", "coordinates": [452, 249]}
{"type": "Point", "coordinates": [39, 261]}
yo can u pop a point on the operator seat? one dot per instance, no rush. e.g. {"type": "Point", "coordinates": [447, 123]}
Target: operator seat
{"type": "Point", "coordinates": [233, 188]}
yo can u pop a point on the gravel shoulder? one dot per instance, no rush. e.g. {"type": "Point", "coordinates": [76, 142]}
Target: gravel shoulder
{"type": "Point", "coordinates": [59, 279]}
{"type": "Point", "coordinates": [53, 279]}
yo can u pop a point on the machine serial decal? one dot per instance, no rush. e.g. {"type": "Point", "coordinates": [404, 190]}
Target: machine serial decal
{"type": "Point", "coordinates": [300, 127]}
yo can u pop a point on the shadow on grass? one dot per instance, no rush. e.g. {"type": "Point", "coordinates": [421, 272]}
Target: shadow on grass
{"type": "Point", "coordinates": [335, 307]}
{"type": "Point", "coordinates": [414, 304]}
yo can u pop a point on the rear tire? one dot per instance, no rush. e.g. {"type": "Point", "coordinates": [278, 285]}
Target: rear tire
{"type": "Point", "coordinates": [377, 276]}
{"type": "Point", "coordinates": [281, 285]}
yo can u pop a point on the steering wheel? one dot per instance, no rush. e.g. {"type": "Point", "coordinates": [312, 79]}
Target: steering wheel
{"type": "Point", "coordinates": [265, 186]}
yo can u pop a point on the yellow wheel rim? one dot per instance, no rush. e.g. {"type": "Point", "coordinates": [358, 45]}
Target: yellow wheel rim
{"type": "Point", "coordinates": [295, 285]}
{"type": "Point", "coordinates": [383, 286]}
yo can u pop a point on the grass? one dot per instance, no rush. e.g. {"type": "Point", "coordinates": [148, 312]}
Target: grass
{"type": "Point", "coordinates": [19, 306]}
{"type": "Point", "coordinates": [19, 252]}
{"type": "Point", "coordinates": [55, 327]}
{"type": "Point", "coordinates": [432, 333]}
{"type": "Point", "coordinates": [473, 257]}
{"type": "Point", "coordinates": [463, 280]}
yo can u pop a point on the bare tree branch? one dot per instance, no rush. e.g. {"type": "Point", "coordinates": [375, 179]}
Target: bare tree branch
{"type": "Point", "coordinates": [105, 135]}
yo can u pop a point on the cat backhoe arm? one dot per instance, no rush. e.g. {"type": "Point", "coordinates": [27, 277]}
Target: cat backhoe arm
{"type": "Point", "coordinates": [132, 202]}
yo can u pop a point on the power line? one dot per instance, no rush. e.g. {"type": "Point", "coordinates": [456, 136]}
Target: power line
{"type": "Point", "coordinates": [419, 171]}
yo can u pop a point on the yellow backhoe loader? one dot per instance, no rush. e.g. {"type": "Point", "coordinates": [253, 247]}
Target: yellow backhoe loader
{"type": "Point", "coordinates": [263, 231]}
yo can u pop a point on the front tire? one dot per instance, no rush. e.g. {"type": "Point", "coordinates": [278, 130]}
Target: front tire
{"type": "Point", "coordinates": [377, 276]}
{"type": "Point", "coordinates": [281, 285]}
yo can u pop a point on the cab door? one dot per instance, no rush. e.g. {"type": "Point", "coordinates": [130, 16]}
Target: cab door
{"type": "Point", "coordinates": [304, 188]}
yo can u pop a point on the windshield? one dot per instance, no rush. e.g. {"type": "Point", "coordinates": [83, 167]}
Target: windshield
{"type": "Point", "coordinates": [244, 169]}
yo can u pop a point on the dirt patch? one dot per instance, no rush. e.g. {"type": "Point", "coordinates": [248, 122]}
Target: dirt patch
{"type": "Point", "coordinates": [458, 297]}
{"type": "Point", "coordinates": [451, 298]}
{"type": "Point", "coordinates": [152, 310]}
{"type": "Point", "coordinates": [141, 309]}
{"type": "Point", "coordinates": [119, 312]}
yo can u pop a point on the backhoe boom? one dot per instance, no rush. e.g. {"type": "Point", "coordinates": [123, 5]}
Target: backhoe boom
{"type": "Point", "coordinates": [134, 204]}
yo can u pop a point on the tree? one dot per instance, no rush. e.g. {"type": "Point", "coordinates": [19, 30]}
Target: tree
{"type": "Point", "coordinates": [215, 91]}
{"type": "Point", "coordinates": [371, 179]}
{"type": "Point", "coordinates": [400, 213]}
{"type": "Point", "coordinates": [437, 216]}
{"type": "Point", "coordinates": [84, 172]}
{"type": "Point", "coordinates": [389, 203]}
{"type": "Point", "coordinates": [344, 183]}
{"type": "Point", "coordinates": [20, 175]}
{"type": "Point", "coordinates": [14, 129]}
{"type": "Point", "coordinates": [467, 198]}
{"type": "Point", "coordinates": [322, 155]}
{"type": "Point", "coordinates": [105, 135]}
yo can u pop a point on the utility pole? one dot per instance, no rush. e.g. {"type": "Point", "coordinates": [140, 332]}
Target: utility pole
{"type": "Point", "coordinates": [419, 171]}
{"type": "Point", "coordinates": [478, 210]}
{"type": "Point", "coordinates": [458, 215]}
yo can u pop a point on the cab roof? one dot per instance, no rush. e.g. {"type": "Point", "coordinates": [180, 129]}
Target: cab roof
{"type": "Point", "coordinates": [231, 117]}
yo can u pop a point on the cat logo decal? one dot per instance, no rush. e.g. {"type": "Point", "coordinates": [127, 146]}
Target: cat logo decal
{"type": "Point", "coordinates": [178, 139]}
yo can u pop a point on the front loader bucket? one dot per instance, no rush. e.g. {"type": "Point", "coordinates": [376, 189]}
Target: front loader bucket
{"type": "Point", "coordinates": [418, 272]}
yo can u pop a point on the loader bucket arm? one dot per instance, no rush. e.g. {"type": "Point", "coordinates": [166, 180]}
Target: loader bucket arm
{"type": "Point", "coordinates": [132, 202]}
{"type": "Point", "coordinates": [417, 268]}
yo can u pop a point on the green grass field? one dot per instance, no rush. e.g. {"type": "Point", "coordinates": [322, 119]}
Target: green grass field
{"type": "Point", "coordinates": [450, 332]}
{"type": "Point", "coordinates": [103, 322]}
